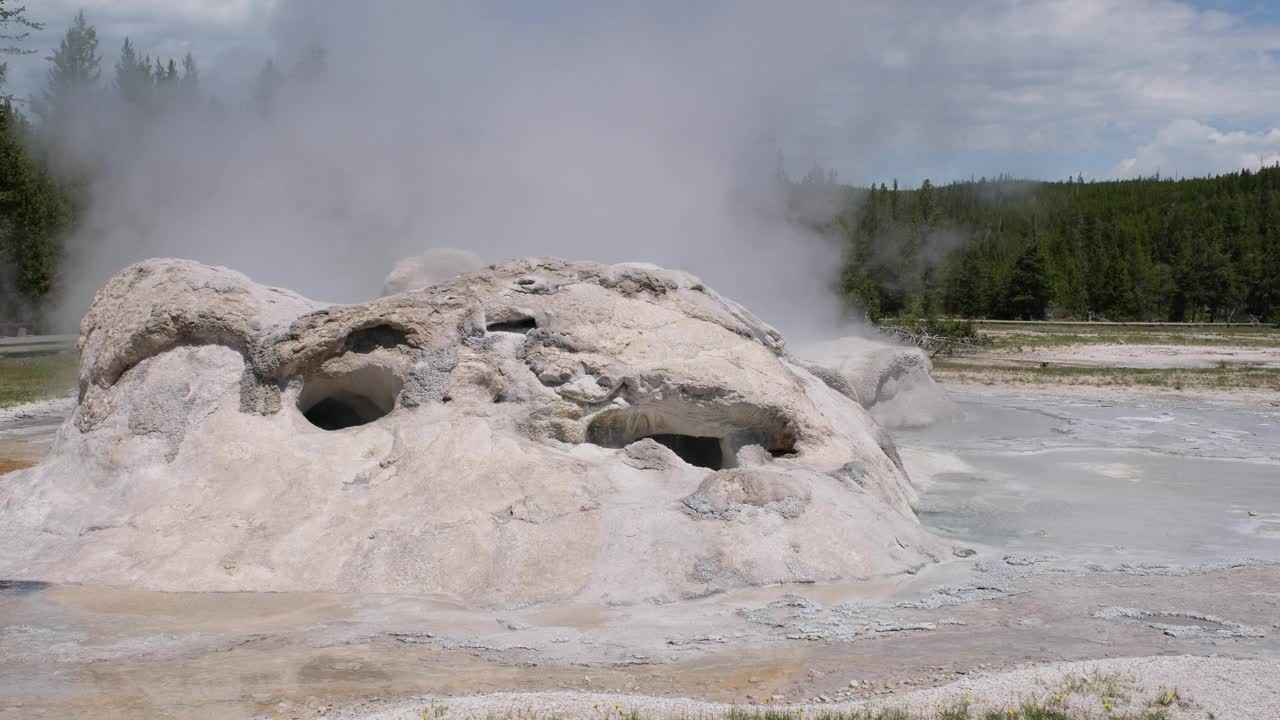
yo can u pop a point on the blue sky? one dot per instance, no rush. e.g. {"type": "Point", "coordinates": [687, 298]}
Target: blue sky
{"type": "Point", "coordinates": [915, 89]}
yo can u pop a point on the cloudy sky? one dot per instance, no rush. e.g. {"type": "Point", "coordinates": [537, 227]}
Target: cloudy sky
{"type": "Point", "coordinates": [945, 90]}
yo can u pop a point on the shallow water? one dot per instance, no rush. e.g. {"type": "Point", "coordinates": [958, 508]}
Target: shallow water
{"type": "Point", "coordinates": [1174, 481]}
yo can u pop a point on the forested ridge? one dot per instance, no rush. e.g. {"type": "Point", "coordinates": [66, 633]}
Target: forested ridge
{"type": "Point", "coordinates": [1202, 249]}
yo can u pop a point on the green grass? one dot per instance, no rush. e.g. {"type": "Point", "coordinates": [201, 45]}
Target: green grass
{"type": "Point", "coordinates": [1006, 335]}
{"type": "Point", "coordinates": [1129, 327]}
{"type": "Point", "coordinates": [28, 379]}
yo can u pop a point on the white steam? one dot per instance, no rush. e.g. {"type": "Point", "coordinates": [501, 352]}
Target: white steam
{"type": "Point", "coordinates": [610, 137]}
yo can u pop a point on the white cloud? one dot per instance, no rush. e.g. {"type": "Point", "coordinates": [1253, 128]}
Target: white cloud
{"type": "Point", "coordinates": [1206, 150]}
{"type": "Point", "coordinates": [1041, 78]}
{"type": "Point", "coordinates": [1026, 86]}
{"type": "Point", "coordinates": [161, 12]}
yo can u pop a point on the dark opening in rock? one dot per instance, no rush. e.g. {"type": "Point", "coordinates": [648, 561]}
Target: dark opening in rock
{"type": "Point", "coordinates": [335, 402]}
{"type": "Point", "coordinates": [377, 337]}
{"type": "Point", "coordinates": [700, 436]}
{"type": "Point", "coordinates": [517, 325]}
{"type": "Point", "coordinates": [701, 451]}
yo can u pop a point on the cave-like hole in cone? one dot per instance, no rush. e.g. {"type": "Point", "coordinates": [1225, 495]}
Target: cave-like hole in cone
{"type": "Point", "coordinates": [700, 436]}
{"type": "Point", "coordinates": [517, 325]}
{"type": "Point", "coordinates": [701, 451]}
{"type": "Point", "coordinates": [350, 399]}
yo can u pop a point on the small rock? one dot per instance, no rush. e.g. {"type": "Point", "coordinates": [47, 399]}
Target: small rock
{"type": "Point", "coordinates": [1253, 514]}
{"type": "Point", "coordinates": [963, 552]}
{"type": "Point", "coordinates": [753, 679]}
{"type": "Point", "coordinates": [777, 698]}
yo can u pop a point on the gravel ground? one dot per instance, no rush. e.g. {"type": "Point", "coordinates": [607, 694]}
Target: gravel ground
{"type": "Point", "coordinates": [1207, 687]}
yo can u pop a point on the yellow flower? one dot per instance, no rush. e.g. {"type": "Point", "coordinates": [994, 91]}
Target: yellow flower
{"type": "Point", "coordinates": [596, 706]}
{"type": "Point", "coordinates": [968, 700]}
{"type": "Point", "coordinates": [1106, 705]}
{"type": "Point", "coordinates": [1010, 713]}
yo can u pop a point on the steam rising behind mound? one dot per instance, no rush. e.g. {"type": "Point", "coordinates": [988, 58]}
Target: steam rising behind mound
{"type": "Point", "coordinates": [892, 381]}
{"type": "Point", "coordinates": [430, 268]}
{"type": "Point", "coordinates": [537, 431]}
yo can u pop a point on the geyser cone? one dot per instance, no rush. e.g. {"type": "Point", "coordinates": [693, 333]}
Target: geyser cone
{"type": "Point", "coordinates": [538, 431]}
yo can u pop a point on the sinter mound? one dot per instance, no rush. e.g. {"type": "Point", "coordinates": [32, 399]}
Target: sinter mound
{"type": "Point", "coordinates": [536, 431]}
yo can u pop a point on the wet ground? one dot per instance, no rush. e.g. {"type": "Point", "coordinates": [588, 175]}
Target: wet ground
{"type": "Point", "coordinates": [27, 432]}
{"type": "Point", "coordinates": [1132, 480]}
{"type": "Point", "coordinates": [1097, 529]}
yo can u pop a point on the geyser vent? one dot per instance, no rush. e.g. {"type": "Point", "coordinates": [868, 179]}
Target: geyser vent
{"type": "Point", "coordinates": [358, 397]}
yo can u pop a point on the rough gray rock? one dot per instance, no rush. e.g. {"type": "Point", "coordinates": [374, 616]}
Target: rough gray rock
{"type": "Point", "coordinates": [538, 431]}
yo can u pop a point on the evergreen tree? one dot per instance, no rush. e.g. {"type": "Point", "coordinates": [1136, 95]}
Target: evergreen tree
{"type": "Point", "coordinates": [1029, 285]}
{"type": "Point", "coordinates": [925, 202]}
{"type": "Point", "coordinates": [73, 73]}
{"type": "Point", "coordinates": [33, 212]}
{"type": "Point", "coordinates": [133, 81]}
{"type": "Point", "coordinates": [190, 81]}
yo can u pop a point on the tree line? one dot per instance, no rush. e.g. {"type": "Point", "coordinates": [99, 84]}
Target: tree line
{"type": "Point", "coordinates": [1153, 249]}
{"type": "Point", "coordinates": [46, 140]}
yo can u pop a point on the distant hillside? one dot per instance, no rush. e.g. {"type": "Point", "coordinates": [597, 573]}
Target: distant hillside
{"type": "Point", "coordinates": [1150, 249]}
